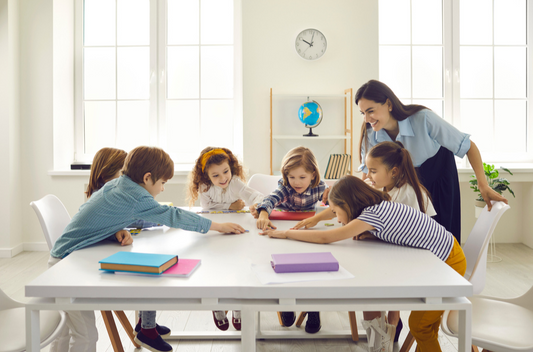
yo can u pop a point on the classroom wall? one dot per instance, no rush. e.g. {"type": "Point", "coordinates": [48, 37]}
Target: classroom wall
{"type": "Point", "coordinates": [269, 61]}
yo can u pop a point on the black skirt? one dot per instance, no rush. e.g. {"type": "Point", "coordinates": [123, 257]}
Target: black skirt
{"type": "Point", "coordinates": [439, 175]}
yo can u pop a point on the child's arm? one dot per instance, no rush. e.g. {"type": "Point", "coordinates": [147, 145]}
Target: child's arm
{"type": "Point", "coordinates": [241, 190]}
{"type": "Point", "coordinates": [227, 227]}
{"type": "Point", "coordinates": [326, 214]}
{"type": "Point", "coordinates": [354, 227]}
{"type": "Point", "coordinates": [206, 202]}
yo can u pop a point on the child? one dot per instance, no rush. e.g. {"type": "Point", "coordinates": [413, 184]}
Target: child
{"type": "Point", "coordinates": [218, 178]}
{"type": "Point", "coordinates": [390, 169]}
{"type": "Point", "coordinates": [367, 212]}
{"type": "Point", "coordinates": [112, 208]}
{"type": "Point", "coordinates": [299, 189]}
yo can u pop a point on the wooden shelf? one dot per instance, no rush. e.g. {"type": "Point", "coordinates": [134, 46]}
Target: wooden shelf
{"type": "Point", "coordinates": [278, 136]}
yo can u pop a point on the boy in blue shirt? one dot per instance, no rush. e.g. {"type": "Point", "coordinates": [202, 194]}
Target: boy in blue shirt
{"type": "Point", "coordinates": [120, 202]}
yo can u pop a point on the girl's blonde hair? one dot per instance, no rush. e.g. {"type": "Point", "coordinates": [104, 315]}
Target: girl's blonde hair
{"type": "Point", "coordinates": [352, 195]}
{"type": "Point", "coordinates": [106, 163]}
{"type": "Point", "coordinates": [393, 154]}
{"type": "Point", "coordinates": [300, 156]}
{"type": "Point", "coordinates": [199, 176]}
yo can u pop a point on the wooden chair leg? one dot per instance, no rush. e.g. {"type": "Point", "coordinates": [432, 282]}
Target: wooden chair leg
{"type": "Point", "coordinates": [300, 319]}
{"type": "Point", "coordinates": [353, 326]}
{"type": "Point", "coordinates": [475, 349]}
{"type": "Point", "coordinates": [127, 326]}
{"type": "Point", "coordinates": [408, 343]}
{"type": "Point", "coordinates": [112, 331]}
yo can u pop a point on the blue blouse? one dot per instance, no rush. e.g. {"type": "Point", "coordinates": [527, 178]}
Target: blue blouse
{"type": "Point", "coordinates": [422, 134]}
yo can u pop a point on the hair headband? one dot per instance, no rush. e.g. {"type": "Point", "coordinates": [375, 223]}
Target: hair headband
{"type": "Point", "coordinates": [209, 154]}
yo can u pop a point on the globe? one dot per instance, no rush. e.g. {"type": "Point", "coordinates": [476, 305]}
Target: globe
{"type": "Point", "coordinates": [310, 114]}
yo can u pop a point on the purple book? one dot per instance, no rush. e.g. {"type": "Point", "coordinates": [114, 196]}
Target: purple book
{"type": "Point", "coordinates": [303, 262]}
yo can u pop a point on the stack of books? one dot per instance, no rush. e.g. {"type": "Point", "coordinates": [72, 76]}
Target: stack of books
{"type": "Point", "coordinates": [338, 166]}
{"type": "Point", "coordinates": [150, 264]}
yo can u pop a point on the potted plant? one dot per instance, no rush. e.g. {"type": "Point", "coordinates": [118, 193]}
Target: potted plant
{"type": "Point", "coordinates": [497, 183]}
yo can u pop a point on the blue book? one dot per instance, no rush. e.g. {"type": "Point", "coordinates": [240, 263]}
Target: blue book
{"type": "Point", "coordinates": [139, 262]}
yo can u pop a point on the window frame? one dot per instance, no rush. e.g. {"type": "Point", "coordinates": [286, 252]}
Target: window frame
{"type": "Point", "coordinates": [158, 81]}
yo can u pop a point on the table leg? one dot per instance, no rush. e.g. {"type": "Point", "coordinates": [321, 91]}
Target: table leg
{"type": "Point", "coordinates": [33, 338]}
{"type": "Point", "coordinates": [248, 330]}
{"type": "Point", "coordinates": [465, 329]}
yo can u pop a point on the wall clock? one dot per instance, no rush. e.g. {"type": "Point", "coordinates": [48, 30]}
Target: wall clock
{"type": "Point", "coordinates": [310, 44]}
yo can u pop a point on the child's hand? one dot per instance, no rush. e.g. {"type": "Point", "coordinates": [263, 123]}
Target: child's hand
{"type": "Point", "coordinates": [237, 205]}
{"type": "Point", "coordinates": [264, 224]}
{"type": "Point", "coordinates": [325, 195]}
{"type": "Point", "coordinates": [364, 236]}
{"type": "Point", "coordinates": [227, 227]}
{"type": "Point", "coordinates": [124, 237]}
{"type": "Point", "coordinates": [274, 233]}
{"type": "Point", "coordinates": [369, 182]}
{"type": "Point", "coordinates": [306, 223]}
{"type": "Point", "coordinates": [253, 211]}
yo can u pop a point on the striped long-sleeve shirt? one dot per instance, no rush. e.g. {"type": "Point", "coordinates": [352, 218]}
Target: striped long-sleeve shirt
{"type": "Point", "coordinates": [400, 224]}
{"type": "Point", "coordinates": [287, 197]}
{"type": "Point", "coordinates": [118, 204]}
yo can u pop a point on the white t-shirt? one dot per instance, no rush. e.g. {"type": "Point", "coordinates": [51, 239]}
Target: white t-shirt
{"type": "Point", "coordinates": [406, 195]}
{"type": "Point", "coordinates": [221, 198]}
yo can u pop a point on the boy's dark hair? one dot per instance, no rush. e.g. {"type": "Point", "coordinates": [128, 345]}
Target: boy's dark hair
{"type": "Point", "coordinates": [148, 159]}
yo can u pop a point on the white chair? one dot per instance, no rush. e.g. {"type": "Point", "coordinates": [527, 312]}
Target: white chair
{"type": "Point", "coordinates": [497, 324]}
{"type": "Point", "coordinates": [264, 184]}
{"type": "Point", "coordinates": [13, 325]}
{"type": "Point", "coordinates": [54, 217]}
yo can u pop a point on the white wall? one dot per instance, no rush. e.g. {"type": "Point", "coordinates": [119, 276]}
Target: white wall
{"type": "Point", "coordinates": [269, 30]}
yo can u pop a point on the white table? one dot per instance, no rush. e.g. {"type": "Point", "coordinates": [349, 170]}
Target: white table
{"type": "Point", "coordinates": [387, 277]}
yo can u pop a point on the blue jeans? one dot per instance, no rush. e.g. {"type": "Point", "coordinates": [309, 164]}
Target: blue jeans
{"type": "Point", "coordinates": [147, 319]}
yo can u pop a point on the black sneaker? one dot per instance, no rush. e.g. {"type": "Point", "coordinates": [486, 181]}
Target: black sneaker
{"type": "Point", "coordinates": [163, 331]}
{"type": "Point", "coordinates": [286, 318]}
{"type": "Point", "coordinates": [312, 326]}
{"type": "Point", "coordinates": [155, 345]}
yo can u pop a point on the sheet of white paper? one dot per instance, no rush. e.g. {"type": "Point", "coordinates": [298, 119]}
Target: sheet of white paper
{"type": "Point", "coordinates": [267, 275]}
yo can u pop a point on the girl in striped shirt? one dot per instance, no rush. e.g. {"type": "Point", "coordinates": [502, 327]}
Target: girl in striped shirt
{"type": "Point", "coordinates": [368, 213]}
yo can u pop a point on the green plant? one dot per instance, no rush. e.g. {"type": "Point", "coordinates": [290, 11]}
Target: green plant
{"type": "Point", "coordinates": [498, 184]}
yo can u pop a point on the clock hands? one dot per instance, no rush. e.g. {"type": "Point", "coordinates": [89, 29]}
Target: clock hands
{"type": "Point", "coordinates": [310, 44]}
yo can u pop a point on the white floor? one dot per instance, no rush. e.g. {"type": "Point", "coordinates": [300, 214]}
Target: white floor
{"type": "Point", "coordinates": [510, 277]}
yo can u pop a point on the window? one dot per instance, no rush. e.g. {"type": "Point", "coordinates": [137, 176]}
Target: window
{"type": "Point", "coordinates": [467, 60]}
{"type": "Point", "coordinates": [158, 72]}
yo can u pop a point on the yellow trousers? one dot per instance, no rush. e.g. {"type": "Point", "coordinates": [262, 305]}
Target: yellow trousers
{"type": "Point", "coordinates": [424, 325]}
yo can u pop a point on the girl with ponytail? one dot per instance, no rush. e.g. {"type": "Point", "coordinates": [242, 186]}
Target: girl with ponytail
{"type": "Point", "coordinates": [391, 170]}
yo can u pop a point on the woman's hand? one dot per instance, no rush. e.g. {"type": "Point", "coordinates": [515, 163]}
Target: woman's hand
{"type": "Point", "coordinates": [263, 222]}
{"type": "Point", "coordinates": [227, 227]}
{"type": "Point", "coordinates": [124, 237]}
{"type": "Point", "coordinates": [237, 205]}
{"type": "Point", "coordinates": [365, 236]}
{"type": "Point", "coordinates": [306, 223]}
{"type": "Point", "coordinates": [274, 233]}
{"type": "Point", "coordinates": [489, 194]}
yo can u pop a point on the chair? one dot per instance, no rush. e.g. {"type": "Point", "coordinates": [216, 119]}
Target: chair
{"type": "Point", "coordinates": [475, 250]}
{"type": "Point", "coordinates": [54, 217]}
{"type": "Point", "coordinates": [13, 318]}
{"type": "Point", "coordinates": [264, 184]}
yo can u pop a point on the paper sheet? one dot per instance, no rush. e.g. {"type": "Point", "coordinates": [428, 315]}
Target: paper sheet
{"type": "Point", "coordinates": [267, 275]}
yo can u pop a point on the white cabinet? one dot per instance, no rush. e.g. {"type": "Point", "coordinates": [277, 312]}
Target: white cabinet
{"type": "Point", "coordinates": [334, 132]}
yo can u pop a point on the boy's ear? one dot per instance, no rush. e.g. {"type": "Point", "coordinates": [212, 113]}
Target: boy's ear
{"type": "Point", "coordinates": [147, 177]}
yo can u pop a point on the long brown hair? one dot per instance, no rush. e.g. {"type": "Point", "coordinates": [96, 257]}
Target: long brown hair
{"type": "Point", "coordinates": [379, 92]}
{"type": "Point", "coordinates": [393, 154]}
{"type": "Point", "coordinates": [199, 176]}
{"type": "Point", "coordinates": [352, 195]}
{"type": "Point", "coordinates": [106, 163]}
{"type": "Point", "coordinates": [300, 156]}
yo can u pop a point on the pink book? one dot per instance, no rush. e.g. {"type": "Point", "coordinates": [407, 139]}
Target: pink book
{"type": "Point", "coordinates": [290, 215]}
{"type": "Point", "coordinates": [304, 262]}
{"type": "Point", "coordinates": [183, 268]}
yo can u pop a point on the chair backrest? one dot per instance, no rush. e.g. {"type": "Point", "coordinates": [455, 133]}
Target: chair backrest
{"type": "Point", "coordinates": [264, 183]}
{"type": "Point", "coordinates": [53, 217]}
{"type": "Point", "coordinates": [7, 302]}
{"type": "Point", "coordinates": [476, 246]}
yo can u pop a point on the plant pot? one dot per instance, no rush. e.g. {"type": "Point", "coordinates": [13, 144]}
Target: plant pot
{"type": "Point", "coordinates": [479, 205]}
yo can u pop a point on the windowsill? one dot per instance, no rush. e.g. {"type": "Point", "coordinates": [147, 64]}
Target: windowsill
{"type": "Point", "coordinates": [180, 170]}
{"type": "Point", "coordinates": [522, 172]}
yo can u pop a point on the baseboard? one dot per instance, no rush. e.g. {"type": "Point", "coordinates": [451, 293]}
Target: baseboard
{"type": "Point", "coordinates": [23, 247]}
{"type": "Point", "coordinates": [11, 252]}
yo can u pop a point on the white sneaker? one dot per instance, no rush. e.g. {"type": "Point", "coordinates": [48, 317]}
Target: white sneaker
{"type": "Point", "coordinates": [380, 335]}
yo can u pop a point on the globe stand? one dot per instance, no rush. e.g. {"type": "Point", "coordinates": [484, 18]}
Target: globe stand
{"type": "Point", "coordinates": [310, 134]}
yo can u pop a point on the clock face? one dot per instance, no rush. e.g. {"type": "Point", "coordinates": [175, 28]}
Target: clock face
{"type": "Point", "coordinates": [311, 44]}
